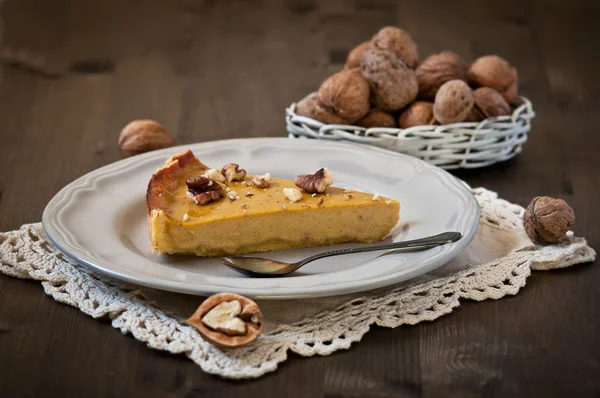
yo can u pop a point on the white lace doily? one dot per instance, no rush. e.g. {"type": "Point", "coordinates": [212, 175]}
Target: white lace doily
{"type": "Point", "coordinates": [496, 263]}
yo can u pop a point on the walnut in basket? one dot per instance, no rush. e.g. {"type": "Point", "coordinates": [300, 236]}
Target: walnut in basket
{"type": "Point", "coordinates": [399, 42]}
{"type": "Point", "coordinates": [495, 72]}
{"type": "Point", "coordinates": [393, 84]}
{"type": "Point", "coordinates": [355, 55]}
{"type": "Point", "coordinates": [345, 95]}
{"type": "Point", "coordinates": [436, 70]}
{"type": "Point", "coordinates": [377, 118]}
{"type": "Point", "coordinates": [309, 107]}
{"type": "Point", "coordinates": [419, 113]}
{"type": "Point", "coordinates": [488, 103]}
{"type": "Point", "coordinates": [453, 102]}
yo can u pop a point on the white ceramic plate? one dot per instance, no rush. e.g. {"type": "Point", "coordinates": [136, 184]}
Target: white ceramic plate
{"type": "Point", "coordinates": [100, 219]}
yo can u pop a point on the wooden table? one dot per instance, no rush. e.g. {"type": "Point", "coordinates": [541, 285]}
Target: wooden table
{"type": "Point", "coordinates": [74, 72]}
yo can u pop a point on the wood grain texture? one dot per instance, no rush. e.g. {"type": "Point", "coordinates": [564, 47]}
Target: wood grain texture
{"type": "Point", "coordinates": [73, 73]}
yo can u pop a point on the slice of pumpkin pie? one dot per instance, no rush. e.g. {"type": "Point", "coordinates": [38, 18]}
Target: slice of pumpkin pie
{"type": "Point", "coordinates": [194, 209]}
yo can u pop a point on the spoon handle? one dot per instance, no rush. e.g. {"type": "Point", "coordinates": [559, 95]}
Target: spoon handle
{"type": "Point", "coordinates": [430, 241]}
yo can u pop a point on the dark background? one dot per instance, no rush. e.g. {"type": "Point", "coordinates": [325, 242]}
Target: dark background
{"type": "Point", "coordinates": [73, 73]}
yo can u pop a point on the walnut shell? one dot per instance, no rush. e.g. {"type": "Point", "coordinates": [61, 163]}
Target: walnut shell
{"type": "Point", "coordinates": [346, 95]}
{"type": "Point", "coordinates": [377, 118]}
{"type": "Point", "coordinates": [309, 107]}
{"type": "Point", "coordinates": [490, 103]}
{"type": "Point", "coordinates": [399, 42]}
{"type": "Point", "coordinates": [142, 136]}
{"type": "Point", "coordinates": [453, 102]}
{"type": "Point", "coordinates": [546, 220]}
{"type": "Point", "coordinates": [355, 55]}
{"type": "Point", "coordinates": [495, 72]}
{"type": "Point", "coordinates": [436, 70]}
{"type": "Point", "coordinates": [306, 106]}
{"type": "Point", "coordinates": [251, 314]}
{"type": "Point", "coordinates": [419, 113]}
{"type": "Point", "coordinates": [393, 84]}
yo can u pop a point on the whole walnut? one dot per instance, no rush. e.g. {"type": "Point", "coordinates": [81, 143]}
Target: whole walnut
{"type": "Point", "coordinates": [142, 136]}
{"type": "Point", "coordinates": [393, 84]}
{"type": "Point", "coordinates": [345, 95]}
{"type": "Point", "coordinates": [495, 72]}
{"type": "Point", "coordinates": [399, 42]}
{"type": "Point", "coordinates": [453, 102]}
{"type": "Point", "coordinates": [355, 55]}
{"type": "Point", "coordinates": [436, 70]}
{"type": "Point", "coordinates": [309, 107]}
{"type": "Point", "coordinates": [306, 106]}
{"type": "Point", "coordinates": [547, 220]}
{"type": "Point", "coordinates": [377, 118]}
{"type": "Point", "coordinates": [419, 113]}
{"type": "Point", "coordinates": [488, 103]}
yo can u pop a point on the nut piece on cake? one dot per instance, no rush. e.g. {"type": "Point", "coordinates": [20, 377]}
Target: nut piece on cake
{"type": "Point", "coordinates": [228, 320]}
{"type": "Point", "coordinates": [203, 190]}
{"type": "Point", "coordinates": [232, 172]}
{"type": "Point", "coordinates": [315, 183]}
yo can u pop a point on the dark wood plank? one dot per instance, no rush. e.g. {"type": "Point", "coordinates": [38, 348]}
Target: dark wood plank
{"type": "Point", "coordinates": [73, 73]}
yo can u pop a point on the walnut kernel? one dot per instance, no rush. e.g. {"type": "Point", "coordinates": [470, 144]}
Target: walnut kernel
{"type": "Point", "coordinates": [314, 183]}
{"type": "Point", "coordinates": [232, 172]}
{"type": "Point", "coordinates": [228, 320]}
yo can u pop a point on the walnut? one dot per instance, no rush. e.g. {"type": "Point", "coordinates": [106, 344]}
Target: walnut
{"type": "Point", "coordinates": [214, 175]}
{"type": "Point", "coordinates": [306, 106]}
{"type": "Point", "coordinates": [292, 194]}
{"type": "Point", "coordinates": [377, 118]}
{"type": "Point", "coordinates": [488, 103]}
{"type": "Point", "coordinates": [393, 84]}
{"type": "Point", "coordinates": [203, 190]}
{"type": "Point", "coordinates": [547, 220]}
{"type": "Point", "coordinates": [315, 183]}
{"type": "Point", "coordinates": [436, 70]}
{"type": "Point", "coordinates": [419, 113]}
{"type": "Point", "coordinates": [355, 56]}
{"type": "Point", "coordinates": [399, 42]}
{"type": "Point", "coordinates": [142, 136]}
{"type": "Point", "coordinates": [262, 181]}
{"type": "Point", "coordinates": [228, 320]}
{"type": "Point", "coordinates": [345, 95]}
{"type": "Point", "coordinates": [495, 72]}
{"type": "Point", "coordinates": [232, 172]}
{"type": "Point", "coordinates": [453, 102]}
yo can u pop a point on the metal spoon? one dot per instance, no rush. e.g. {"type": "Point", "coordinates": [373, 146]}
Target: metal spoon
{"type": "Point", "coordinates": [257, 266]}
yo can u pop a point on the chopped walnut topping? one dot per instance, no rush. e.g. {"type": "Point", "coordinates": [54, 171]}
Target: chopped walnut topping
{"type": "Point", "coordinates": [262, 181]}
{"type": "Point", "coordinates": [232, 172]}
{"type": "Point", "coordinates": [245, 206]}
{"type": "Point", "coordinates": [203, 190]}
{"type": "Point", "coordinates": [292, 194]}
{"type": "Point", "coordinates": [214, 175]}
{"type": "Point", "coordinates": [313, 195]}
{"type": "Point", "coordinates": [313, 183]}
{"type": "Point", "coordinates": [284, 207]}
{"type": "Point", "coordinates": [249, 194]}
{"type": "Point", "coordinates": [186, 217]}
{"type": "Point", "coordinates": [347, 196]}
{"type": "Point", "coordinates": [232, 195]}
{"type": "Point", "coordinates": [320, 202]}
{"type": "Point", "coordinates": [375, 197]}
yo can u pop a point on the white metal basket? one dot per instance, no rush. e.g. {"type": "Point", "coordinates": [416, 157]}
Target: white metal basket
{"type": "Point", "coordinates": [450, 146]}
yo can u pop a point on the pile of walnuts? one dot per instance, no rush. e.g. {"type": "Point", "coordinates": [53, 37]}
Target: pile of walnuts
{"type": "Point", "coordinates": [384, 85]}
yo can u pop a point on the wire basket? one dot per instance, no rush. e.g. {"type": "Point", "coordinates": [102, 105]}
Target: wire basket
{"type": "Point", "coordinates": [451, 146]}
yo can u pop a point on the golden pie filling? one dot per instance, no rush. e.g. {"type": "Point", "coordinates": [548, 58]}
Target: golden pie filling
{"type": "Point", "coordinates": [257, 219]}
